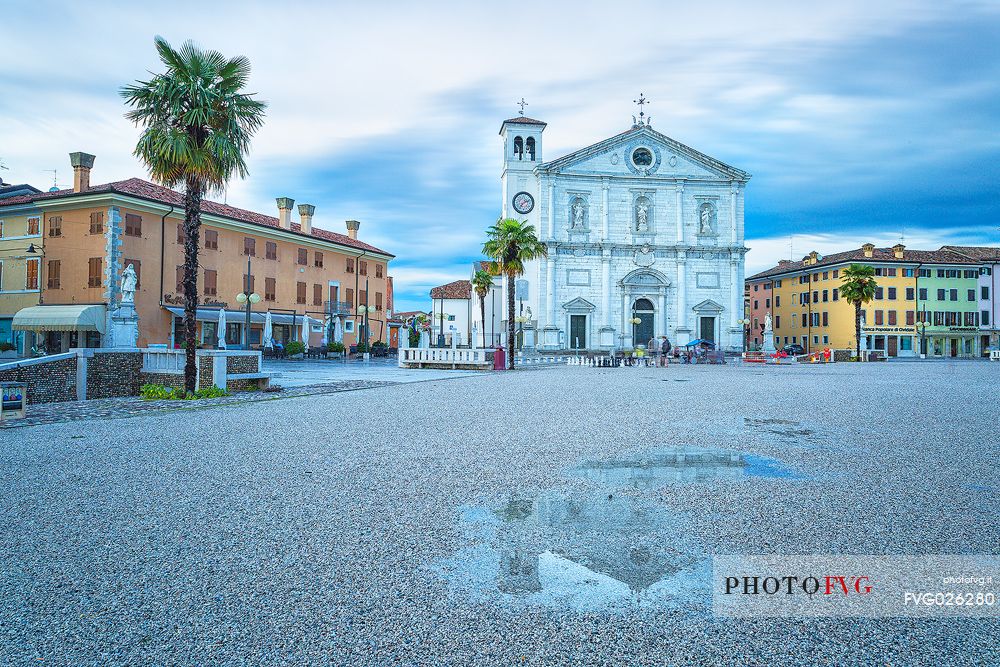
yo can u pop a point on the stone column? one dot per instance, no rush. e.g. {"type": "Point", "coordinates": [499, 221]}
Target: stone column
{"type": "Point", "coordinates": [551, 211]}
{"type": "Point", "coordinates": [662, 329]}
{"type": "Point", "coordinates": [679, 190]}
{"type": "Point", "coordinates": [733, 197]}
{"type": "Point", "coordinates": [736, 295]}
{"type": "Point", "coordinates": [682, 314]}
{"type": "Point", "coordinates": [604, 212]}
{"type": "Point", "coordinates": [606, 287]}
{"type": "Point", "coordinates": [550, 297]}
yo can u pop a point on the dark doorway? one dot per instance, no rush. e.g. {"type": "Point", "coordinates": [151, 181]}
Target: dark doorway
{"type": "Point", "coordinates": [893, 342]}
{"type": "Point", "coordinates": [578, 332]}
{"type": "Point", "coordinates": [707, 329]}
{"type": "Point", "coordinates": [643, 331]}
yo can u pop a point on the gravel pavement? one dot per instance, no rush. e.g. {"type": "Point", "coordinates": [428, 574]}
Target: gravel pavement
{"type": "Point", "coordinates": [354, 528]}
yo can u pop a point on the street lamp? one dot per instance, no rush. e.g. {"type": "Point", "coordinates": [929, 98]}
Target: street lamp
{"type": "Point", "coordinates": [745, 323]}
{"type": "Point", "coordinates": [922, 327]}
{"type": "Point", "coordinates": [248, 297]}
{"type": "Point", "coordinates": [442, 316]}
{"type": "Point", "coordinates": [363, 311]}
{"type": "Point", "coordinates": [521, 319]}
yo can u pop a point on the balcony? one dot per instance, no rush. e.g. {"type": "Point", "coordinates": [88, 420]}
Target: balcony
{"type": "Point", "coordinates": [338, 308]}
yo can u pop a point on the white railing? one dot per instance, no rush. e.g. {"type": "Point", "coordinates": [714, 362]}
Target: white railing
{"type": "Point", "coordinates": [443, 357]}
{"type": "Point", "coordinates": [163, 361]}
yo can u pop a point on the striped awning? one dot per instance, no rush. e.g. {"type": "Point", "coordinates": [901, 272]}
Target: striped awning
{"type": "Point", "coordinates": [61, 318]}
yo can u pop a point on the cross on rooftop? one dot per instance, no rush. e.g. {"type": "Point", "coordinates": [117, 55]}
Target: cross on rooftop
{"type": "Point", "coordinates": [641, 102]}
{"type": "Point", "coordinates": [522, 104]}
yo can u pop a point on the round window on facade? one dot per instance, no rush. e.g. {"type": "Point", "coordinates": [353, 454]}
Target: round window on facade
{"type": "Point", "coordinates": [642, 157]}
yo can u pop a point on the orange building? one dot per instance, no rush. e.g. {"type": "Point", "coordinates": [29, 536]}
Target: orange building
{"type": "Point", "coordinates": [92, 233]}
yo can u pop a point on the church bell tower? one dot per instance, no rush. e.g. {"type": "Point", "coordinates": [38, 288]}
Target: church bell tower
{"type": "Point", "coordinates": [522, 152]}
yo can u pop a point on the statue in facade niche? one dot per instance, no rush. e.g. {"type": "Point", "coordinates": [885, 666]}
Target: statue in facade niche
{"type": "Point", "coordinates": [577, 214]}
{"type": "Point", "coordinates": [129, 282]}
{"type": "Point", "coordinates": [706, 220]}
{"type": "Point", "coordinates": [642, 216]}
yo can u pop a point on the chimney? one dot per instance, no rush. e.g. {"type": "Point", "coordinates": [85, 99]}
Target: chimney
{"type": "Point", "coordinates": [814, 256]}
{"type": "Point", "coordinates": [82, 164]}
{"type": "Point", "coordinates": [306, 214]}
{"type": "Point", "coordinates": [352, 228]}
{"type": "Point", "coordinates": [897, 250]}
{"type": "Point", "coordinates": [869, 249]}
{"type": "Point", "coordinates": [285, 212]}
{"type": "Point", "coordinates": [782, 262]}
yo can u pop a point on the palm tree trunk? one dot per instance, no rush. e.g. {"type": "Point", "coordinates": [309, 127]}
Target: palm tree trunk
{"type": "Point", "coordinates": [482, 315]}
{"type": "Point", "coordinates": [857, 328]}
{"type": "Point", "coordinates": [510, 319]}
{"type": "Point", "coordinates": [192, 228]}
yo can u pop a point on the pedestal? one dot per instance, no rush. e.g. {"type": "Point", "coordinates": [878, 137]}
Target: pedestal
{"type": "Point", "coordinates": [607, 337]}
{"type": "Point", "coordinates": [769, 342]}
{"type": "Point", "coordinates": [528, 339]}
{"type": "Point", "coordinates": [550, 337]}
{"type": "Point", "coordinates": [683, 335]}
{"type": "Point", "coordinates": [123, 327]}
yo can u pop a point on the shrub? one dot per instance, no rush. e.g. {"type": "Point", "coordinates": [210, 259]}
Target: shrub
{"type": "Point", "coordinates": [335, 347]}
{"type": "Point", "coordinates": [295, 347]}
{"type": "Point", "coordinates": [6, 346]}
{"type": "Point", "coordinates": [209, 392]}
{"type": "Point", "coordinates": [414, 337]}
{"type": "Point", "coordinates": [379, 345]}
{"type": "Point", "coordinates": [362, 347]}
{"type": "Point", "coordinates": [157, 392]}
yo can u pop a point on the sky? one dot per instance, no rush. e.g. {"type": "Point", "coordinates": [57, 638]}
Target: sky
{"type": "Point", "coordinates": [860, 121]}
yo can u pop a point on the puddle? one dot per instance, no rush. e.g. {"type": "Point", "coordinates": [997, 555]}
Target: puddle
{"type": "Point", "coordinates": [597, 548]}
{"type": "Point", "coordinates": [659, 468]}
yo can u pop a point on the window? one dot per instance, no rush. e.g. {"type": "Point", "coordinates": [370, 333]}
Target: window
{"type": "Point", "coordinates": [211, 282]}
{"type": "Point", "coordinates": [826, 339]}
{"type": "Point", "coordinates": [269, 289]}
{"type": "Point", "coordinates": [777, 300]}
{"type": "Point", "coordinates": [910, 320]}
{"type": "Point", "coordinates": [378, 270]}
{"type": "Point", "coordinates": [906, 343]}
{"type": "Point", "coordinates": [137, 266]}
{"type": "Point", "coordinates": [815, 340]}
{"type": "Point", "coordinates": [836, 273]}
{"type": "Point", "coordinates": [362, 267]}
{"type": "Point", "coordinates": [940, 295]}
{"type": "Point", "coordinates": [303, 258]}
{"type": "Point", "coordinates": [907, 273]}
{"type": "Point", "coordinates": [179, 275]}
{"type": "Point", "coordinates": [362, 297]}
{"type": "Point", "coordinates": [892, 293]}
{"type": "Point", "coordinates": [826, 275]}
{"type": "Point", "coordinates": [826, 319]}
{"type": "Point", "coordinates": [318, 259]}
{"type": "Point", "coordinates": [133, 224]}
{"type": "Point", "coordinates": [756, 304]}
{"type": "Point", "coordinates": [250, 247]}
{"type": "Point", "coordinates": [350, 265]}
{"type": "Point", "coordinates": [953, 294]}
{"type": "Point", "coordinates": [815, 297]}
{"type": "Point", "coordinates": [97, 222]}
{"type": "Point", "coordinates": [925, 273]}
{"type": "Point", "coordinates": [180, 234]}
{"type": "Point", "coordinates": [378, 300]}
{"type": "Point", "coordinates": [211, 239]}
{"type": "Point", "coordinates": [972, 295]}
{"type": "Point", "coordinates": [892, 318]}
{"type": "Point", "coordinates": [826, 295]}
{"type": "Point", "coordinates": [95, 267]}
{"type": "Point", "coordinates": [755, 287]}
{"type": "Point", "coordinates": [247, 283]}
{"type": "Point", "coordinates": [879, 293]}
{"type": "Point", "coordinates": [940, 273]}
{"type": "Point", "coordinates": [55, 225]}
{"type": "Point", "coordinates": [923, 293]}
{"type": "Point", "coordinates": [31, 273]}
{"type": "Point", "coordinates": [317, 295]}
{"type": "Point", "coordinates": [971, 273]}
{"type": "Point", "coordinates": [53, 279]}
{"type": "Point", "coordinates": [300, 292]}
{"type": "Point", "coordinates": [777, 320]}
{"type": "Point", "coordinates": [349, 296]}
{"type": "Point", "coordinates": [271, 250]}
{"type": "Point", "coordinates": [891, 273]}
{"type": "Point", "coordinates": [33, 226]}
{"type": "Point", "coordinates": [805, 320]}
{"type": "Point", "coordinates": [879, 318]}
{"type": "Point", "coordinates": [984, 317]}
{"type": "Point", "coordinates": [909, 294]}
{"type": "Point", "coordinates": [777, 283]}
{"type": "Point", "coordinates": [767, 303]}
{"type": "Point", "coordinates": [984, 292]}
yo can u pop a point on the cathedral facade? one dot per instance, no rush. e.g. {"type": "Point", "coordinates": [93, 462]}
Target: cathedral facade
{"type": "Point", "coordinates": [644, 238]}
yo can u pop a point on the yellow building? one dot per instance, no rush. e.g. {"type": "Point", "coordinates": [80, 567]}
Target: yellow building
{"type": "Point", "coordinates": [807, 309]}
{"type": "Point", "coordinates": [20, 269]}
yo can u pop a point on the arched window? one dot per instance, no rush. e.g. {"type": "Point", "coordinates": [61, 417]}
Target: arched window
{"type": "Point", "coordinates": [529, 148]}
{"type": "Point", "coordinates": [642, 304]}
{"type": "Point", "coordinates": [519, 147]}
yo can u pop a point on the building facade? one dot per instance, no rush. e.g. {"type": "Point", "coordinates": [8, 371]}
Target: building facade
{"type": "Point", "coordinates": [92, 233]}
{"type": "Point", "coordinates": [926, 302]}
{"type": "Point", "coordinates": [644, 238]}
{"type": "Point", "coordinates": [21, 251]}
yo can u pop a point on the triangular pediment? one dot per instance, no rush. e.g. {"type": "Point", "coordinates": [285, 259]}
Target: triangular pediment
{"type": "Point", "coordinates": [579, 305]}
{"type": "Point", "coordinates": [671, 158]}
{"type": "Point", "coordinates": [708, 305]}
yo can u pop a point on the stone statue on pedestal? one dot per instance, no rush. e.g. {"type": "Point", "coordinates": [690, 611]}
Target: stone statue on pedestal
{"type": "Point", "coordinates": [768, 334]}
{"type": "Point", "coordinates": [129, 282]}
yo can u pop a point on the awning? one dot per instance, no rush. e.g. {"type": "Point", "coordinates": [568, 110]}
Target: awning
{"type": "Point", "coordinates": [238, 316]}
{"type": "Point", "coordinates": [61, 318]}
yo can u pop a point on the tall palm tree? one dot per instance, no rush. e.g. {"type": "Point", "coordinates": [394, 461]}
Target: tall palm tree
{"type": "Point", "coordinates": [482, 282]}
{"type": "Point", "coordinates": [510, 243]}
{"type": "Point", "coordinates": [858, 288]}
{"type": "Point", "coordinates": [197, 125]}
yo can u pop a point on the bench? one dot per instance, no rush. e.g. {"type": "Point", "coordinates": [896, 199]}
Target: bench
{"type": "Point", "coordinates": [264, 378]}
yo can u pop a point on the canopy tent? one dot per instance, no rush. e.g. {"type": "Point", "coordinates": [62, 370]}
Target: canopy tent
{"type": "Point", "coordinates": [61, 318]}
{"type": "Point", "coordinates": [700, 341]}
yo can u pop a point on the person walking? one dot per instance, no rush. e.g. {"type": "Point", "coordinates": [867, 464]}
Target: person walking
{"type": "Point", "coordinates": [665, 351]}
{"type": "Point", "coordinates": [653, 348]}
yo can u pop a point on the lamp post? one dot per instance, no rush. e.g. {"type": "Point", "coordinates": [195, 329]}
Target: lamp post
{"type": "Point", "coordinates": [520, 319]}
{"type": "Point", "coordinates": [363, 311]}
{"type": "Point", "coordinates": [441, 317]}
{"type": "Point", "coordinates": [922, 327]}
{"type": "Point", "coordinates": [248, 297]}
{"type": "Point", "coordinates": [745, 323]}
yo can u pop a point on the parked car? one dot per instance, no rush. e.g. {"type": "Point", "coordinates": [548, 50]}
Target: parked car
{"type": "Point", "coordinates": [793, 349]}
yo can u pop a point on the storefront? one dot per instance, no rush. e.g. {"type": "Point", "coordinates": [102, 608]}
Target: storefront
{"type": "Point", "coordinates": [61, 328]}
{"type": "Point", "coordinates": [891, 341]}
{"type": "Point", "coordinates": [285, 327]}
{"type": "Point", "coordinates": [956, 342]}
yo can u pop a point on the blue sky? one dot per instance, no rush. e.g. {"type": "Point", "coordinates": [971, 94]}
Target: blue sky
{"type": "Point", "coordinates": [860, 122]}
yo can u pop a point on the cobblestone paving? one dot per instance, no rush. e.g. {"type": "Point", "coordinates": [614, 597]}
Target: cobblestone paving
{"type": "Point", "coordinates": [121, 408]}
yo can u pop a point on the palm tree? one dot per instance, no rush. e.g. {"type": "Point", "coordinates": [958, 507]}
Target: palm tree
{"type": "Point", "coordinates": [197, 126]}
{"type": "Point", "coordinates": [482, 282]}
{"type": "Point", "coordinates": [510, 243]}
{"type": "Point", "coordinates": [858, 288]}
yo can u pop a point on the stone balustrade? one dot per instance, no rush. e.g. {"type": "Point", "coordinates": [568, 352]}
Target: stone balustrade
{"type": "Point", "coordinates": [424, 357]}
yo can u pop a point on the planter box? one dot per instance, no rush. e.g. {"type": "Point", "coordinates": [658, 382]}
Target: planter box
{"type": "Point", "coordinates": [334, 355]}
{"type": "Point", "coordinates": [297, 357]}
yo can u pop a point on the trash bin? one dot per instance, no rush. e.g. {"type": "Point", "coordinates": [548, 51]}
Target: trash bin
{"type": "Point", "coordinates": [15, 397]}
{"type": "Point", "coordinates": [499, 359]}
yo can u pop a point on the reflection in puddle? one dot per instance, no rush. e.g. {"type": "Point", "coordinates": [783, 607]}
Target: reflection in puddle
{"type": "Point", "coordinates": [672, 467]}
{"type": "Point", "coordinates": [583, 553]}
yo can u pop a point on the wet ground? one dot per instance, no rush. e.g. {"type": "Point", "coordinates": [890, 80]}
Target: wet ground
{"type": "Point", "coordinates": [562, 516]}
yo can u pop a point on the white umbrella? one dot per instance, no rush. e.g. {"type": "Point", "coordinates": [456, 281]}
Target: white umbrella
{"type": "Point", "coordinates": [268, 333]}
{"type": "Point", "coordinates": [221, 326]}
{"type": "Point", "coordinates": [338, 331]}
{"type": "Point", "coordinates": [326, 330]}
{"type": "Point", "coordinates": [305, 331]}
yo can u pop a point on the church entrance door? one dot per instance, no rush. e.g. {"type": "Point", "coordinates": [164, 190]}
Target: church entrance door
{"type": "Point", "coordinates": [578, 332]}
{"type": "Point", "coordinates": [707, 329]}
{"type": "Point", "coordinates": [643, 331]}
